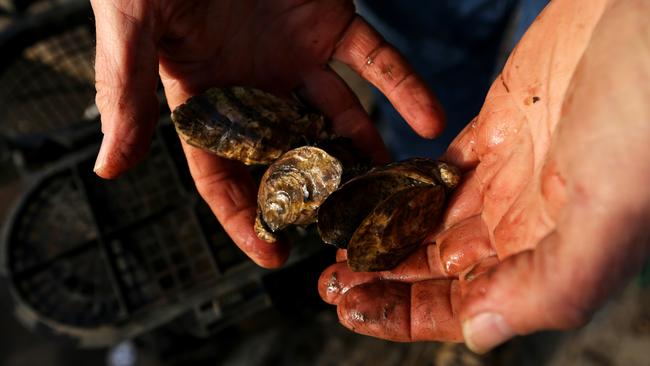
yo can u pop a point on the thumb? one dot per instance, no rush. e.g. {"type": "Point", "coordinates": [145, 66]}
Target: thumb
{"type": "Point", "coordinates": [602, 236]}
{"type": "Point", "coordinates": [555, 286]}
{"type": "Point", "coordinates": [126, 75]}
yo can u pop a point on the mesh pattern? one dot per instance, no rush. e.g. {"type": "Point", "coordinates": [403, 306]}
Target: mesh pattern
{"type": "Point", "coordinates": [50, 86]}
{"type": "Point", "coordinates": [128, 245]}
{"type": "Point", "coordinates": [144, 191]}
{"type": "Point", "coordinates": [225, 251]}
{"type": "Point", "coordinates": [60, 221]}
{"type": "Point", "coordinates": [56, 261]}
{"type": "Point", "coordinates": [75, 291]}
{"type": "Point", "coordinates": [83, 251]}
{"type": "Point", "coordinates": [161, 259]}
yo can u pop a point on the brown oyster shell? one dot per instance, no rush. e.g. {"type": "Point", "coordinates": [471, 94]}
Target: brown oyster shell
{"type": "Point", "coordinates": [380, 217]}
{"type": "Point", "coordinates": [340, 216]}
{"type": "Point", "coordinates": [293, 188]}
{"type": "Point", "coordinates": [245, 124]}
{"type": "Point", "coordinates": [395, 228]}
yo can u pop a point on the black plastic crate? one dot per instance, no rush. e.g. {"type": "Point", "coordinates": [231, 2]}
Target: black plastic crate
{"type": "Point", "coordinates": [84, 255]}
{"type": "Point", "coordinates": [92, 261]}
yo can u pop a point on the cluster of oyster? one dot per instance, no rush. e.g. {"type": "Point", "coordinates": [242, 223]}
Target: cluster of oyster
{"type": "Point", "coordinates": [380, 215]}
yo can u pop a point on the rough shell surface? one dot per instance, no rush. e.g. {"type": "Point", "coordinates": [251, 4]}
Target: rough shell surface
{"type": "Point", "coordinates": [340, 215]}
{"type": "Point", "coordinates": [395, 228]}
{"type": "Point", "coordinates": [293, 188]}
{"type": "Point", "coordinates": [246, 124]}
{"type": "Point", "coordinates": [380, 217]}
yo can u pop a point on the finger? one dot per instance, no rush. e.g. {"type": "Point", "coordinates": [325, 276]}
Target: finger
{"type": "Point", "coordinates": [462, 152]}
{"type": "Point", "coordinates": [403, 312]}
{"type": "Point", "coordinates": [464, 245]}
{"type": "Point", "coordinates": [602, 238]}
{"type": "Point", "coordinates": [328, 93]}
{"type": "Point", "coordinates": [337, 279]}
{"type": "Point", "coordinates": [366, 52]}
{"type": "Point", "coordinates": [465, 202]}
{"type": "Point", "coordinates": [229, 190]}
{"type": "Point", "coordinates": [126, 74]}
{"type": "Point", "coordinates": [556, 286]}
{"type": "Point", "coordinates": [423, 264]}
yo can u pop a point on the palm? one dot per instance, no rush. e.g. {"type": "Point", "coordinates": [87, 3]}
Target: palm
{"type": "Point", "coordinates": [270, 45]}
{"type": "Point", "coordinates": [507, 147]}
{"type": "Point", "coordinates": [497, 209]}
{"type": "Point", "coordinates": [504, 151]}
{"type": "Point", "coordinates": [280, 46]}
{"type": "Point", "coordinates": [517, 239]}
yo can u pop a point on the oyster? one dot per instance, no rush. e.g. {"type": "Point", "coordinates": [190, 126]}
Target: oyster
{"type": "Point", "coordinates": [246, 124]}
{"type": "Point", "coordinates": [382, 216]}
{"type": "Point", "coordinates": [293, 187]}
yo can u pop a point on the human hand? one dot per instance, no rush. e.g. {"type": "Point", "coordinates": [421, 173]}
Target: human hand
{"type": "Point", "coordinates": [278, 46]}
{"type": "Point", "coordinates": [553, 211]}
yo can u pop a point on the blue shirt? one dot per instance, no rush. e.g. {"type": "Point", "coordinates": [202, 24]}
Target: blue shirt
{"type": "Point", "coordinates": [457, 46]}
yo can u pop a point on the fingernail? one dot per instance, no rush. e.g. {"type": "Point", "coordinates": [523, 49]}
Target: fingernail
{"type": "Point", "coordinates": [486, 331]}
{"type": "Point", "coordinates": [101, 157]}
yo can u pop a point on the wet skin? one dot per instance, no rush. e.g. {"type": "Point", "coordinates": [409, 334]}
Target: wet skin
{"type": "Point", "coordinates": [554, 205]}
{"type": "Point", "coordinates": [552, 213]}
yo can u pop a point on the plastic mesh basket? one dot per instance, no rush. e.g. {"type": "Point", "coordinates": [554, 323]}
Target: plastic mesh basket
{"type": "Point", "coordinates": [84, 255]}
{"type": "Point", "coordinates": [94, 261]}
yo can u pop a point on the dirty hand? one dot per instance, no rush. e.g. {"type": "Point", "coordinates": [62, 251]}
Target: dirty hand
{"type": "Point", "coordinates": [553, 212]}
{"type": "Point", "coordinates": [279, 46]}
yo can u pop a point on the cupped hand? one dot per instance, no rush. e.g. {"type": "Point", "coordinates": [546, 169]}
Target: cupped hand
{"type": "Point", "coordinates": [279, 46]}
{"type": "Point", "coordinates": [553, 212]}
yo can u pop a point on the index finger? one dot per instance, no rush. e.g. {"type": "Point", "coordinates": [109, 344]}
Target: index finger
{"type": "Point", "coordinates": [126, 69]}
{"type": "Point", "coordinates": [367, 53]}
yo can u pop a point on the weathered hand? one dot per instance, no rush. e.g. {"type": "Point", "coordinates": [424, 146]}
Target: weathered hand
{"type": "Point", "coordinates": [279, 46]}
{"type": "Point", "coordinates": [553, 212]}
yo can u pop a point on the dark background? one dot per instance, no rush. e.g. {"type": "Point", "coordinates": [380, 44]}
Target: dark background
{"type": "Point", "coordinates": [49, 127]}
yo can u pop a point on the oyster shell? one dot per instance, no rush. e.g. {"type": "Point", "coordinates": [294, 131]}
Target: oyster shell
{"type": "Point", "coordinates": [246, 124]}
{"type": "Point", "coordinates": [383, 215]}
{"type": "Point", "coordinates": [380, 217]}
{"type": "Point", "coordinates": [293, 187]}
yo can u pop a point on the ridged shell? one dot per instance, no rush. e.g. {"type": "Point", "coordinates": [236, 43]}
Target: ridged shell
{"type": "Point", "coordinates": [246, 124]}
{"type": "Point", "coordinates": [293, 188]}
{"type": "Point", "coordinates": [380, 217]}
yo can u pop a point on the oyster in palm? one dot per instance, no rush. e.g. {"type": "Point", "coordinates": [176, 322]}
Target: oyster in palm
{"type": "Point", "coordinates": [293, 188]}
{"type": "Point", "coordinates": [382, 216]}
{"type": "Point", "coordinates": [379, 216]}
{"type": "Point", "coordinates": [246, 124]}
